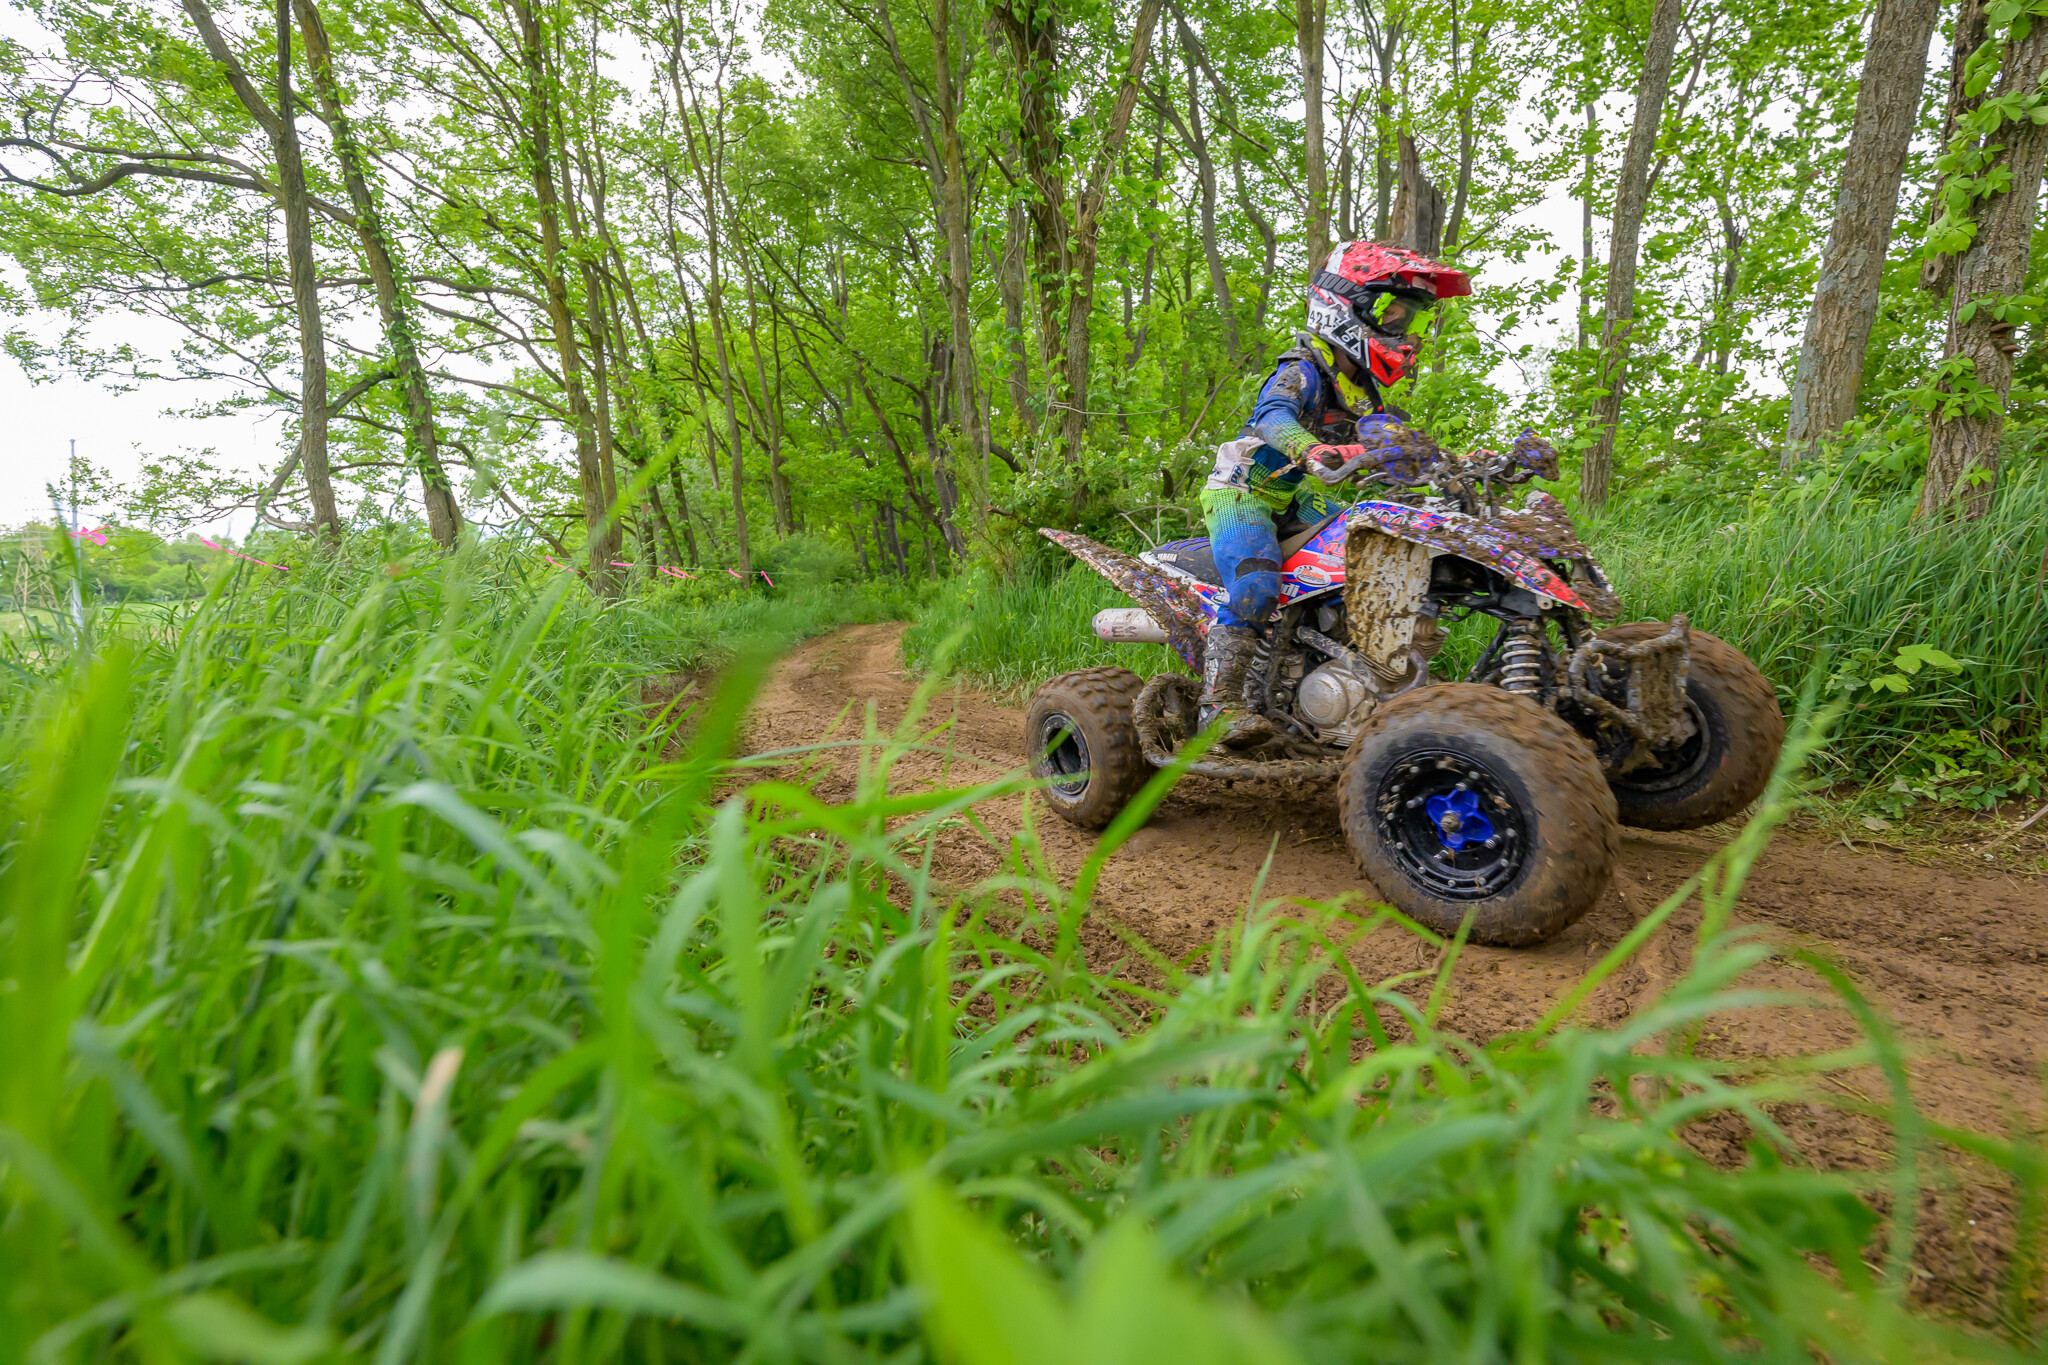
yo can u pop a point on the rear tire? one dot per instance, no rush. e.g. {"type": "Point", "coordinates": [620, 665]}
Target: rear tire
{"type": "Point", "coordinates": [1725, 766]}
{"type": "Point", "coordinates": [1082, 741]}
{"type": "Point", "coordinates": [1535, 789]}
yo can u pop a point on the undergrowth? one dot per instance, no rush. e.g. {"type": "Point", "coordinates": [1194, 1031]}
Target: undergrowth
{"type": "Point", "coordinates": [382, 980]}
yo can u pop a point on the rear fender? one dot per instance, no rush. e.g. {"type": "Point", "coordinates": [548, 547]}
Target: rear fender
{"type": "Point", "coordinates": [1467, 537]}
{"type": "Point", "coordinates": [1173, 601]}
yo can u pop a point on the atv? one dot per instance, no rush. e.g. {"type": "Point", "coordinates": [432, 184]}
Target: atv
{"type": "Point", "coordinates": [1498, 797]}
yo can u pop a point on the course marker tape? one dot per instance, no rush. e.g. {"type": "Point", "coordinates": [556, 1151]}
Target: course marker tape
{"type": "Point", "coordinates": [237, 554]}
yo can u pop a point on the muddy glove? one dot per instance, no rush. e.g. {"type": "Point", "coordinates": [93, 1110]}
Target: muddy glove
{"type": "Point", "coordinates": [1384, 446]}
{"type": "Point", "coordinates": [1536, 455]}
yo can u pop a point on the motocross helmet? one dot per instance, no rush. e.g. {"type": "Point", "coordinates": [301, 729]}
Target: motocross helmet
{"type": "Point", "coordinates": [1367, 296]}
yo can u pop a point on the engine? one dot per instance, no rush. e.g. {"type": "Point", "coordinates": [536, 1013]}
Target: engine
{"type": "Point", "coordinates": [1334, 702]}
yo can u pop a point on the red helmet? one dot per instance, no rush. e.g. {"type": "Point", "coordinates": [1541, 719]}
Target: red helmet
{"type": "Point", "coordinates": [1366, 297]}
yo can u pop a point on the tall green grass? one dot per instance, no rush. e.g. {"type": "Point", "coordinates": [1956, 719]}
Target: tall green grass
{"type": "Point", "coordinates": [382, 979]}
{"type": "Point", "coordinates": [1830, 581]}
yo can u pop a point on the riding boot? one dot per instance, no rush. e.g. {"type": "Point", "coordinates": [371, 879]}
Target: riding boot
{"type": "Point", "coordinates": [1226, 662]}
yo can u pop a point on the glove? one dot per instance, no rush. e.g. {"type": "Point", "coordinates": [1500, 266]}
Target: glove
{"type": "Point", "coordinates": [1536, 455]}
{"type": "Point", "coordinates": [1400, 452]}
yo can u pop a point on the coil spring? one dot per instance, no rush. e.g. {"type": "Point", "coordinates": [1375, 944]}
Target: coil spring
{"type": "Point", "coordinates": [1521, 663]}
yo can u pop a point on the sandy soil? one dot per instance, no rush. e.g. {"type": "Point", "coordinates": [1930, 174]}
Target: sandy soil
{"type": "Point", "coordinates": [1957, 957]}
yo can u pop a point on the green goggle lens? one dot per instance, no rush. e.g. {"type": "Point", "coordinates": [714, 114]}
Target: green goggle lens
{"type": "Point", "coordinates": [1392, 314]}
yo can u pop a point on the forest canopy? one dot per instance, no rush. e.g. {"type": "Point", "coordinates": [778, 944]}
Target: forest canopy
{"type": "Point", "coordinates": [656, 281]}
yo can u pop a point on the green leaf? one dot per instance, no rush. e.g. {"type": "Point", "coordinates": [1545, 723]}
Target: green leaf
{"type": "Point", "coordinates": [986, 1305]}
{"type": "Point", "coordinates": [1912, 658]}
{"type": "Point", "coordinates": [218, 1327]}
{"type": "Point", "coordinates": [580, 1279]}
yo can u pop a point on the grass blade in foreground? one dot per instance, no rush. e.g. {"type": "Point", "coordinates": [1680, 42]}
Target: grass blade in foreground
{"type": "Point", "coordinates": [568, 1063]}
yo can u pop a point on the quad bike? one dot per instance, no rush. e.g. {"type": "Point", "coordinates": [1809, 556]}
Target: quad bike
{"type": "Point", "coordinates": [1498, 796]}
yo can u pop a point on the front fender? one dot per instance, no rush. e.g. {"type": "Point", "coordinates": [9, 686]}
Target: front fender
{"type": "Point", "coordinates": [1177, 608]}
{"type": "Point", "coordinates": [1468, 538]}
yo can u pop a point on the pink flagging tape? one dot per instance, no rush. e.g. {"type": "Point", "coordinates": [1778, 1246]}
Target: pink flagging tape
{"type": "Point", "coordinates": [659, 568]}
{"type": "Point", "coordinates": [215, 545]}
{"type": "Point", "coordinates": [96, 534]}
{"type": "Point", "coordinates": [765, 578]}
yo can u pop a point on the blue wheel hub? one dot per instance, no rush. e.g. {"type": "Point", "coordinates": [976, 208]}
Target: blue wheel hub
{"type": "Point", "coordinates": [1453, 825]}
{"type": "Point", "coordinates": [1458, 821]}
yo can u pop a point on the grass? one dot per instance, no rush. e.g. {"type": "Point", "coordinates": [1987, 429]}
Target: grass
{"type": "Point", "coordinates": [1839, 584]}
{"type": "Point", "coordinates": [381, 980]}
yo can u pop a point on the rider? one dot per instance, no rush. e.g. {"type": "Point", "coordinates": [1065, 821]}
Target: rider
{"type": "Point", "coordinates": [1323, 410]}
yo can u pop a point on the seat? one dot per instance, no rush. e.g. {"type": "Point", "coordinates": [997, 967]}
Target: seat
{"type": "Point", "coordinates": [1193, 555]}
{"type": "Point", "coordinates": [1190, 556]}
{"type": "Point", "coordinates": [1292, 540]}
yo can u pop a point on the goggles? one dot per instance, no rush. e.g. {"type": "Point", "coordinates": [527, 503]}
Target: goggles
{"type": "Point", "coordinates": [1391, 314]}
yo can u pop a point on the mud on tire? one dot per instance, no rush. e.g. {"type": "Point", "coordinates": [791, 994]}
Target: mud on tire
{"type": "Point", "coordinates": [1725, 766]}
{"type": "Point", "coordinates": [1511, 771]}
{"type": "Point", "coordinates": [1079, 736]}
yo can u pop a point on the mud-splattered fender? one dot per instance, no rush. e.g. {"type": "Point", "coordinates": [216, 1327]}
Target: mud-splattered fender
{"type": "Point", "coordinates": [1467, 537]}
{"type": "Point", "coordinates": [1172, 602]}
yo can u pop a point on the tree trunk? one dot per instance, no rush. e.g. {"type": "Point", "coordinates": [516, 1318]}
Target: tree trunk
{"type": "Point", "coordinates": [1867, 200]}
{"type": "Point", "coordinates": [1308, 35]}
{"type": "Point", "coordinates": [1205, 181]}
{"type": "Point", "coordinates": [957, 230]}
{"type": "Point", "coordinates": [675, 483]}
{"type": "Point", "coordinates": [1011, 279]}
{"type": "Point", "coordinates": [279, 126]}
{"type": "Point", "coordinates": [778, 486]}
{"type": "Point", "coordinates": [298, 234]}
{"type": "Point", "coordinates": [1065, 247]}
{"type": "Point", "coordinates": [1465, 85]}
{"type": "Point", "coordinates": [706, 162]}
{"type": "Point", "coordinates": [1937, 272]}
{"type": "Point", "coordinates": [1417, 221]}
{"type": "Point", "coordinates": [1586, 224]}
{"type": "Point", "coordinates": [1631, 198]}
{"type": "Point", "coordinates": [394, 301]}
{"type": "Point", "coordinates": [555, 285]}
{"type": "Point", "coordinates": [1962, 456]}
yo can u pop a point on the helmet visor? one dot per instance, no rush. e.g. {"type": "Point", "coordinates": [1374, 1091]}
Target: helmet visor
{"type": "Point", "coordinates": [1392, 314]}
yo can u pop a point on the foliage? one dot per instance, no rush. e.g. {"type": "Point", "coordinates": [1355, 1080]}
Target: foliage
{"type": "Point", "coordinates": [754, 245]}
{"type": "Point", "coordinates": [387, 979]}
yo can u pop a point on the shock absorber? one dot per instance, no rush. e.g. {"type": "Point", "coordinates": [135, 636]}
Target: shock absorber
{"type": "Point", "coordinates": [1521, 659]}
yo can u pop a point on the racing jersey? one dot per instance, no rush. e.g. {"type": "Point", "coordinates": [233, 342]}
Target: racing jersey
{"type": "Point", "coordinates": [1305, 402]}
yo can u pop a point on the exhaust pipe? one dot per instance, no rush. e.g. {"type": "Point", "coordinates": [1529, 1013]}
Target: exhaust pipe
{"type": "Point", "coordinates": [1128, 626]}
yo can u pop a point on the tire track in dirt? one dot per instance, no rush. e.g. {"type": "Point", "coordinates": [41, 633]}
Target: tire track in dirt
{"type": "Point", "coordinates": [1954, 956]}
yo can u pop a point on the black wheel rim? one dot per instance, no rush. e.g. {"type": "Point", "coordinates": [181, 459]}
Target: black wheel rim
{"type": "Point", "coordinates": [1063, 755]}
{"type": "Point", "coordinates": [1675, 767]}
{"type": "Point", "coordinates": [1452, 824]}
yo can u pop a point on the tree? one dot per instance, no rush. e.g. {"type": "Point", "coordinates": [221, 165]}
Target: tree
{"type": "Point", "coordinates": [1888, 93]}
{"type": "Point", "coordinates": [1308, 27]}
{"type": "Point", "coordinates": [1065, 229]}
{"type": "Point", "coordinates": [1995, 164]}
{"type": "Point", "coordinates": [1631, 198]}
{"type": "Point", "coordinates": [395, 305]}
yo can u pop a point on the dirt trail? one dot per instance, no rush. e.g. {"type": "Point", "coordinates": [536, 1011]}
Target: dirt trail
{"type": "Point", "coordinates": [1957, 958]}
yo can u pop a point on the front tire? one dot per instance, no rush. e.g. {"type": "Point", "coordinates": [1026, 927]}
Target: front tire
{"type": "Point", "coordinates": [1725, 765]}
{"type": "Point", "coordinates": [1460, 799]}
{"type": "Point", "coordinates": [1082, 742]}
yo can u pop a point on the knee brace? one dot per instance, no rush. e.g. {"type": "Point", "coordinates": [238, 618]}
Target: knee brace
{"type": "Point", "coordinates": [1255, 592]}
